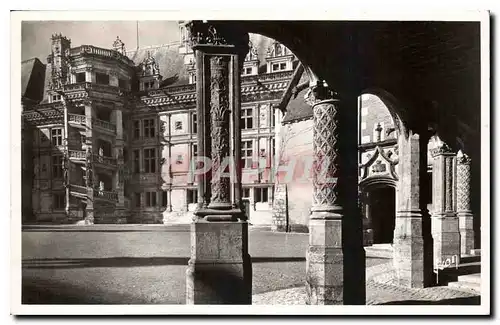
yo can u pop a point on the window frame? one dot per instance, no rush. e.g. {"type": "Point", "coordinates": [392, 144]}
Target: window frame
{"type": "Point", "coordinates": [57, 137]}
{"type": "Point", "coordinates": [247, 153]}
{"type": "Point", "coordinates": [149, 128]}
{"type": "Point", "coordinates": [246, 118]}
{"type": "Point", "coordinates": [149, 160]}
{"type": "Point", "coordinates": [57, 168]}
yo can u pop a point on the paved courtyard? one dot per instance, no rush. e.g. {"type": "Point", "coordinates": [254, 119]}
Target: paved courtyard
{"type": "Point", "coordinates": [147, 265]}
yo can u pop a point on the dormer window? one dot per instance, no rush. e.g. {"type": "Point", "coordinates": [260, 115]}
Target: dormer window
{"type": "Point", "coordinates": [56, 98]}
{"type": "Point", "coordinates": [192, 78]}
{"type": "Point", "coordinates": [278, 66]}
{"type": "Point", "coordinates": [247, 71]}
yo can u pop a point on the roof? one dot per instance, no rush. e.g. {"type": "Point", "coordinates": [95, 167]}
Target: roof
{"type": "Point", "coordinates": [32, 79]}
{"type": "Point", "coordinates": [169, 60]}
{"type": "Point", "coordinates": [296, 108]}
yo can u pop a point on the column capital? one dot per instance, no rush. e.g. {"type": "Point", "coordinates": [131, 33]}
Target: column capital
{"type": "Point", "coordinates": [462, 158]}
{"type": "Point", "coordinates": [441, 149]}
{"type": "Point", "coordinates": [217, 34]}
{"type": "Point", "coordinates": [320, 92]}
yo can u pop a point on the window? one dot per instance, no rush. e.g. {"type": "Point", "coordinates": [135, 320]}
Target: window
{"type": "Point", "coordinates": [122, 83]}
{"type": "Point", "coordinates": [275, 67]}
{"type": "Point", "coordinates": [83, 138]}
{"type": "Point", "coordinates": [56, 136]}
{"type": "Point", "coordinates": [273, 117]}
{"type": "Point", "coordinates": [429, 186]}
{"type": "Point", "coordinates": [273, 147]}
{"type": "Point", "coordinates": [192, 196]}
{"type": "Point", "coordinates": [194, 123]}
{"type": "Point", "coordinates": [282, 66]}
{"type": "Point", "coordinates": [150, 160]}
{"type": "Point", "coordinates": [137, 168]}
{"type": "Point", "coordinates": [57, 164]}
{"type": "Point", "coordinates": [178, 125]}
{"type": "Point", "coordinates": [56, 98]}
{"type": "Point", "coordinates": [245, 192]}
{"type": "Point", "coordinates": [150, 199]}
{"type": "Point", "coordinates": [246, 153]}
{"type": "Point", "coordinates": [261, 194]}
{"type": "Point", "coordinates": [137, 200]}
{"type": "Point", "coordinates": [80, 77]}
{"type": "Point", "coordinates": [247, 71]}
{"type": "Point", "coordinates": [149, 85]}
{"type": "Point", "coordinates": [164, 198]}
{"type": "Point", "coordinates": [58, 201]}
{"type": "Point", "coordinates": [137, 130]}
{"type": "Point", "coordinates": [246, 118]}
{"type": "Point", "coordinates": [194, 150]}
{"type": "Point", "coordinates": [101, 78]}
{"type": "Point", "coordinates": [149, 128]}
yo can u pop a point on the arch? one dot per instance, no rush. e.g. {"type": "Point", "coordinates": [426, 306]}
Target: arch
{"type": "Point", "coordinates": [376, 182]}
{"type": "Point", "coordinates": [394, 106]}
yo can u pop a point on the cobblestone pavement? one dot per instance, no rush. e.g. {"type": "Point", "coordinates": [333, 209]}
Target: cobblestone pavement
{"type": "Point", "coordinates": [379, 290]}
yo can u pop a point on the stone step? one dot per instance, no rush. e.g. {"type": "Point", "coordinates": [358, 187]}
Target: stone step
{"type": "Point", "coordinates": [379, 250]}
{"type": "Point", "coordinates": [470, 278]}
{"type": "Point", "coordinates": [466, 286]}
{"type": "Point", "coordinates": [470, 258]}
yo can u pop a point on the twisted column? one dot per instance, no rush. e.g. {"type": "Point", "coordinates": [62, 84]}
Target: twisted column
{"type": "Point", "coordinates": [464, 212]}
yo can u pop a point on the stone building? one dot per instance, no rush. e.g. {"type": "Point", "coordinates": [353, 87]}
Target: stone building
{"type": "Point", "coordinates": [113, 138]}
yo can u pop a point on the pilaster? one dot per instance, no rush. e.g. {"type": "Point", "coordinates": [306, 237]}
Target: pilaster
{"type": "Point", "coordinates": [412, 240]}
{"type": "Point", "coordinates": [219, 271]}
{"type": "Point", "coordinates": [444, 221]}
{"type": "Point", "coordinates": [89, 166]}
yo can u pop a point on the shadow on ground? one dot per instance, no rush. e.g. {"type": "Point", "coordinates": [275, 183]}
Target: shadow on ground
{"type": "Point", "coordinates": [475, 300]}
{"type": "Point", "coordinates": [69, 263]}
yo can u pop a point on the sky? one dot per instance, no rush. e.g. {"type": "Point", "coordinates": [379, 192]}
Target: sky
{"type": "Point", "coordinates": [35, 35]}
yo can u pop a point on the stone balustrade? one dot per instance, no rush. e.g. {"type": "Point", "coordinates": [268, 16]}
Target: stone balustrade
{"type": "Point", "coordinates": [77, 154]}
{"type": "Point", "coordinates": [105, 160]}
{"type": "Point", "coordinates": [93, 50]}
{"type": "Point", "coordinates": [104, 125]}
{"type": "Point", "coordinates": [77, 119]}
{"type": "Point", "coordinates": [107, 195]}
{"type": "Point", "coordinates": [78, 189]}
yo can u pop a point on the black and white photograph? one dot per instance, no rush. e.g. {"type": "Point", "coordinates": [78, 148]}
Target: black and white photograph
{"type": "Point", "coordinates": [286, 166]}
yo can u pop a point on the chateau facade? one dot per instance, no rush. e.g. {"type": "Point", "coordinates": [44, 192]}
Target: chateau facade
{"type": "Point", "coordinates": [110, 136]}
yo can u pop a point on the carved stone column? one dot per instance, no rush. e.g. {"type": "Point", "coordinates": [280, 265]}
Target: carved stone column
{"type": "Point", "coordinates": [464, 212]}
{"type": "Point", "coordinates": [335, 264]}
{"type": "Point", "coordinates": [219, 271]}
{"type": "Point", "coordinates": [412, 239]}
{"type": "Point", "coordinates": [119, 182]}
{"type": "Point", "coordinates": [444, 221]}
{"type": "Point", "coordinates": [89, 167]}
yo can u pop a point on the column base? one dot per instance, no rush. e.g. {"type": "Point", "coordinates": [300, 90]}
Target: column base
{"type": "Point", "coordinates": [220, 268]}
{"type": "Point", "coordinates": [466, 220]}
{"type": "Point", "coordinates": [89, 217]}
{"type": "Point", "coordinates": [412, 254]}
{"type": "Point", "coordinates": [446, 239]}
{"type": "Point", "coordinates": [324, 276]}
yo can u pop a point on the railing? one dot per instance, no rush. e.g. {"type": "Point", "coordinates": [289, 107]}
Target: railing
{"type": "Point", "coordinates": [92, 50]}
{"type": "Point", "coordinates": [107, 195]}
{"type": "Point", "coordinates": [78, 189]}
{"type": "Point", "coordinates": [77, 86]}
{"type": "Point", "coordinates": [105, 160]}
{"type": "Point", "coordinates": [104, 125]}
{"type": "Point", "coordinates": [76, 118]}
{"type": "Point", "coordinates": [77, 154]}
{"type": "Point", "coordinates": [84, 86]}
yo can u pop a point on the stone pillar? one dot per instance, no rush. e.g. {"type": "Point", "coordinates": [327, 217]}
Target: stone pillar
{"type": "Point", "coordinates": [412, 240]}
{"type": "Point", "coordinates": [444, 221]}
{"type": "Point", "coordinates": [219, 271]}
{"type": "Point", "coordinates": [89, 168]}
{"type": "Point", "coordinates": [119, 183]}
{"type": "Point", "coordinates": [89, 75]}
{"type": "Point", "coordinates": [335, 260]}
{"type": "Point", "coordinates": [464, 212]}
